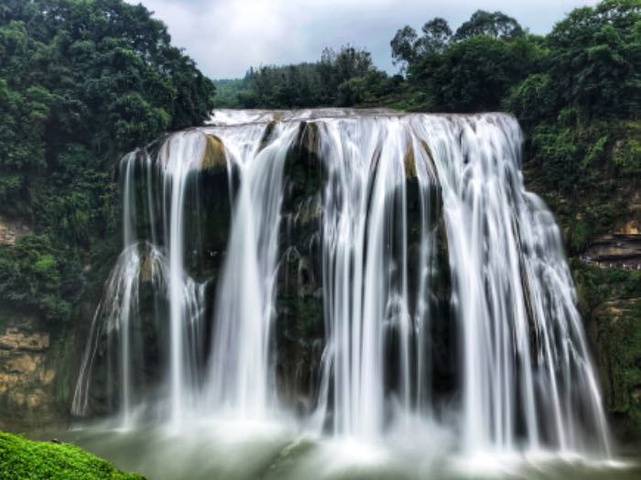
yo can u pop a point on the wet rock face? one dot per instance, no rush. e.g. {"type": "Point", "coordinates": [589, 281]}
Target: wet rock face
{"type": "Point", "coordinates": [621, 248]}
{"type": "Point", "coordinates": [608, 281]}
{"type": "Point", "coordinates": [27, 390]}
{"type": "Point", "coordinates": [11, 230]}
{"type": "Point", "coordinates": [616, 334]}
{"type": "Point", "coordinates": [214, 159]}
{"type": "Point", "coordinates": [616, 250]}
{"type": "Point", "coordinates": [299, 318]}
{"type": "Point", "coordinates": [13, 339]}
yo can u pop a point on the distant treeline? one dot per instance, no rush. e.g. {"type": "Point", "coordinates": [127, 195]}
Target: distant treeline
{"type": "Point", "coordinates": [590, 61]}
{"type": "Point", "coordinates": [340, 78]}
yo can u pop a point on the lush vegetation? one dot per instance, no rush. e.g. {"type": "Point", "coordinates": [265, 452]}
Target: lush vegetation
{"type": "Point", "coordinates": [22, 459]}
{"type": "Point", "coordinates": [469, 70]}
{"type": "Point", "coordinates": [340, 78]}
{"type": "Point", "coordinates": [581, 111]}
{"type": "Point", "coordinates": [81, 82]}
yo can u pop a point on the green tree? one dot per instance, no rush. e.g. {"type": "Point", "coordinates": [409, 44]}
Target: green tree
{"type": "Point", "coordinates": [405, 47]}
{"type": "Point", "coordinates": [595, 59]}
{"type": "Point", "coordinates": [474, 74]}
{"type": "Point", "coordinates": [408, 47]}
{"type": "Point", "coordinates": [490, 24]}
{"type": "Point", "coordinates": [81, 83]}
{"type": "Point", "coordinates": [437, 35]}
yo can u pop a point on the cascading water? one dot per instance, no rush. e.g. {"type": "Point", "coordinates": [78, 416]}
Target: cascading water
{"type": "Point", "coordinates": [240, 377]}
{"type": "Point", "coordinates": [365, 271]}
{"type": "Point", "coordinates": [444, 288]}
{"type": "Point", "coordinates": [523, 348]}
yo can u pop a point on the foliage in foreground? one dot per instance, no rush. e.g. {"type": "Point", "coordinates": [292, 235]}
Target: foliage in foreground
{"type": "Point", "coordinates": [22, 459]}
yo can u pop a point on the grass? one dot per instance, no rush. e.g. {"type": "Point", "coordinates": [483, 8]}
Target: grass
{"type": "Point", "coordinates": [22, 459]}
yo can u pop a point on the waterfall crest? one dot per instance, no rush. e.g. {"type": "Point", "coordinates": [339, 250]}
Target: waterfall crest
{"type": "Point", "coordinates": [442, 281]}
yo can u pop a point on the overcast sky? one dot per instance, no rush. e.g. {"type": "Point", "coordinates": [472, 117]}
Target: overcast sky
{"type": "Point", "coordinates": [226, 37]}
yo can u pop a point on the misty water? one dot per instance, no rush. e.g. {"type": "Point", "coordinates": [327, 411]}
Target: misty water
{"type": "Point", "coordinates": [451, 342]}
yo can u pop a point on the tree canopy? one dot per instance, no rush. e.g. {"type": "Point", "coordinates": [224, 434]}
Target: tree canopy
{"type": "Point", "coordinates": [490, 24]}
{"type": "Point", "coordinates": [81, 82]}
{"type": "Point", "coordinates": [471, 69]}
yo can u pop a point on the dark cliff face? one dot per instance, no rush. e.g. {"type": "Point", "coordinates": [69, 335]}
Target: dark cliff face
{"type": "Point", "coordinates": [607, 274]}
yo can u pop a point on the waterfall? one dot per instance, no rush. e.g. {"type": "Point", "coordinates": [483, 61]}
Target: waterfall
{"type": "Point", "coordinates": [443, 284]}
{"type": "Point", "coordinates": [365, 267]}
{"type": "Point", "coordinates": [240, 378]}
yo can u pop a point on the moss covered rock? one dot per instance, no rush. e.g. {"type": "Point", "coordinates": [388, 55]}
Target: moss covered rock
{"type": "Point", "coordinates": [610, 300]}
{"type": "Point", "coordinates": [33, 365]}
{"type": "Point", "coordinates": [214, 158]}
{"type": "Point", "coordinates": [618, 332]}
{"type": "Point", "coordinates": [23, 459]}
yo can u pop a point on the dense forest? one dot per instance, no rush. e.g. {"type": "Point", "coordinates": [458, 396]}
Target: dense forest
{"type": "Point", "coordinates": [83, 82]}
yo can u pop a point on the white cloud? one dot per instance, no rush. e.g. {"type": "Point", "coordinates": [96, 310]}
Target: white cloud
{"type": "Point", "coordinates": [226, 37]}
